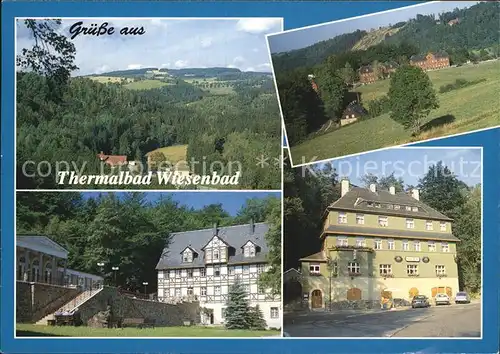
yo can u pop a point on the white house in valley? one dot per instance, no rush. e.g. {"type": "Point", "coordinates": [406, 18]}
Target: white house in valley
{"type": "Point", "coordinates": [202, 264]}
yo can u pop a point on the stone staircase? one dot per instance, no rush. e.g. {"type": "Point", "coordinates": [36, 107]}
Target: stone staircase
{"type": "Point", "coordinates": [72, 305]}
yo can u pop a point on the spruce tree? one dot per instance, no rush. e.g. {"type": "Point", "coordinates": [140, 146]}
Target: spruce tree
{"type": "Point", "coordinates": [256, 318]}
{"type": "Point", "coordinates": [237, 309]}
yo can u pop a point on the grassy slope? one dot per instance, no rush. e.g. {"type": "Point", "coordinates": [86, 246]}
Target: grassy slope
{"type": "Point", "coordinates": [474, 107]}
{"type": "Point", "coordinates": [145, 85]}
{"type": "Point", "coordinates": [67, 331]}
{"type": "Point", "coordinates": [174, 153]}
{"type": "Point", "coordinates": [374, 37]}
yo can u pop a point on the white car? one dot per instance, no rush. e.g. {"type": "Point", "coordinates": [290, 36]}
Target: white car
{"type": "Point", "coordinates": [442, 299]}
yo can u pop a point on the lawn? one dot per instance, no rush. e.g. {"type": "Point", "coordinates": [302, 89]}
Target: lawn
{"type": "Point", "coordinates": [31, 330]}
{"type": "Point", "coordinates": [146, 85]}
{"type": "Point", "coordinates": [462, 110]}
{"type": "Point", "coordinates": [173, 154]}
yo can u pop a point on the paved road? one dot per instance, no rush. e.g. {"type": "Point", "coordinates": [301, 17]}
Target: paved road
{"type": "Point", "coordinates": [436, 321]}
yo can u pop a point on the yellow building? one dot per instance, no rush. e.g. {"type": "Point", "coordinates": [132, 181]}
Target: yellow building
{"type": "Point", "coordinates": [379, 243]}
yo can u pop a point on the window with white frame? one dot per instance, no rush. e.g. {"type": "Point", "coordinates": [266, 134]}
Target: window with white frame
{"type": "Point", "coordinates": [342, 242]}
{"type": "Point", "coordinates": [410, 224]}
{"type": "Point", "coordinates": [406, 246]}
{"type": "Point", "coordinates": [390, 245]}
{"type": "Point", "coordinates": [416, 246]}
{"type": "Point", "coordinates": [190, 290]}
{"type": "Point", "coordinates": [378, 244]}
{"type": "Point", "coordinates": [246, 269]}
{"type": "Point", "coordinates": [360, 219]}
{"type": "Point", "coordinates": [203, 291]}
{"type": "Point", "coordinates": [275, 313]}
{"type": "Point", "coordinates": [383, 221]}
{"type": "Point", "coordinates": [385, 269]}
{"type": "Point", "coordinates": [353, 268]}
{"type": "Point", "coordinates": [440, 269]}
{"type": "Point", "coordinates": [360, 242]}
{"type": "Point", "coordinates": [412, 269]}
{"type": "Point", "coordinates": [445, 247]}
{"type": "Point", "coordinates": [442, 226]}
{"type": "Point", "coordinates": [342, 218]}
{"type": "Point", "coordinates": [177, 292]}
{"type": "Point", "coordinates": [217, 290]}
{"type": "Point", "coordinates": [432, 246]}
{"type": "Point", "coordinates": [187, 256]}
{"type": "Point", "coordinates": [429, 226]}
{"type": "Point", "coordinates": [314, 268]}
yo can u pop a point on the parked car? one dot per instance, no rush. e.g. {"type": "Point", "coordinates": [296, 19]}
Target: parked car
{"type": "Point", "coordinates": [462, 298]}
{"type": "Point", "coordinates": [442, 299]}
{"type": "Point", "coordinates": [420, 301]}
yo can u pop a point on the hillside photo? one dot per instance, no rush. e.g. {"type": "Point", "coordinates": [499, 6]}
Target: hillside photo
{"type": "Point", "coordinates": [388, 79]}
{"type": "Point", "coordinates": [108, 97]}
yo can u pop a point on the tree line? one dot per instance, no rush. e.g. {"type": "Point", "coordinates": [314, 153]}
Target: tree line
{"type": "Point", "coordinates": [128, 231]}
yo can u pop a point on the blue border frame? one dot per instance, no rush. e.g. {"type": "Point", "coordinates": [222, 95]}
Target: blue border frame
{"type": "Point", "coordinates": [296, 15]}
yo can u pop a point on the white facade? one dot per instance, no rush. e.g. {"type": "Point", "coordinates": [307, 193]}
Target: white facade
{"type": "Point", "coordinates": [210, 284]}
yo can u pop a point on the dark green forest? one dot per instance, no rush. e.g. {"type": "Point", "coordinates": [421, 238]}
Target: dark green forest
{"type": "Point", "coordinates": [126, 230]}
{"type": "Point", "coordinates": [307, 193]}
{"type": "Point", "coordinates": [335, 66]}
{"type": "Point", "coordinates": [72, 119]}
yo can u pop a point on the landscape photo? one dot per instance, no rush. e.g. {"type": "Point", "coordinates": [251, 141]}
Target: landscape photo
{"type": "Point", "coordinates": [124, 98]}
{"type": "Point", "coordinates": [387, 244]}
{"type": "Point", "coordinates": [154, 264]}
{"type": "Point", "coordinates": [388, 79]}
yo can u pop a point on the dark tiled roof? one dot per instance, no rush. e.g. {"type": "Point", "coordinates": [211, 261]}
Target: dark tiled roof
{"type": "Point", "coordinates": [386, 232]}
{"type": "Point", "coordinates": [235, 236]}
{"type": "Point", "coordinates": [356, 198]}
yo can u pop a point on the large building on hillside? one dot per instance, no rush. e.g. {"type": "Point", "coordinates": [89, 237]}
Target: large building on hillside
{"type": "Point", "coordinates": [202, 265]}
{"type": "Point", "coordinates": [380, 243]}
{"type": "Point", "coordinates": [431, 61]}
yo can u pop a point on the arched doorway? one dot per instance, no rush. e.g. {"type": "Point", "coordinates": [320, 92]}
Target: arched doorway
{"type": "Point", "coordinates": [413, 292]}
{"type": "Point", "coordinates": [354, 294]}
{"type": "Point", "coordinates": [35, 270]}
{"type": "Point", "coordinates": [316, 299]}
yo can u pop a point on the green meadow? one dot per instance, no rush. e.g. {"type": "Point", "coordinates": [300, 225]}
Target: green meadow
{"type": "Point", "coordinates": [461, 110]}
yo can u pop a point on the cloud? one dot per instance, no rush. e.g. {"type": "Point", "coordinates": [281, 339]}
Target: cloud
{"type": "Point", "coordinates": [258, 25]}
{"type": "Point", "coordinates": [238, 59]}
{"type": "Point", "coordinates": [206, 42]}
{"type": "Point", "coordinates": [134, 66]}
{"type": "Point", "coordinates": [181, 64]}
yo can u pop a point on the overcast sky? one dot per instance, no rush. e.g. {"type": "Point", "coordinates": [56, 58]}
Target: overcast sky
{"type": "Point", "coordinates": [296, 39]}
{"type": "Point", "coordinates": [412, 163]}
{"type": "Point", "coordinates": [170, 43]}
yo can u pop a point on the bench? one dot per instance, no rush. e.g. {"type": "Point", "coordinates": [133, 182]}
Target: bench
{"type": "Point", "coordinates": [137, 322]}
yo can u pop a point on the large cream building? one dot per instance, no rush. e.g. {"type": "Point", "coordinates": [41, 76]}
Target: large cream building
{"type": "Point", "coordinates": [380, 243]}
{"type": "Point", "coordinates": [202, 264]}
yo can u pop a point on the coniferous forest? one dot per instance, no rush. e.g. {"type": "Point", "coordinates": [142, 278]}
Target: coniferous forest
{"type": "Point", "coordinates": [62, 118]}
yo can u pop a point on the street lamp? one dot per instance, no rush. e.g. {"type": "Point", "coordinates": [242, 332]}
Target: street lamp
{"type": "Point", "coordinates": [145, 285]}
{"type": "Point", "coordinates": [115, 270]}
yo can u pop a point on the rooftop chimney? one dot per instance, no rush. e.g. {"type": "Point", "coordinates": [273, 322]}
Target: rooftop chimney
{"type": "Point", "coordinates": [415, 194]}
{"type": "Point", "coordinates": [344, 186]}
{"type": "Point", "coordinates": [392, 190]}
{"type": "Point", "coordinates": [216, 228]}
{"type": "Point", "coordinates": [252, 227]}
{"type": "Point", "coordinates": [373, 187]}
